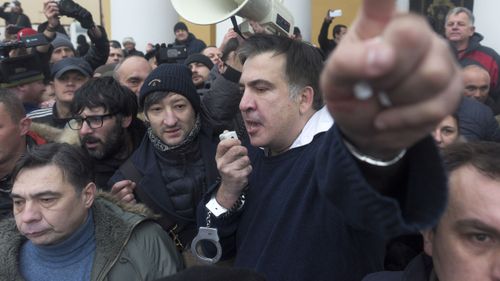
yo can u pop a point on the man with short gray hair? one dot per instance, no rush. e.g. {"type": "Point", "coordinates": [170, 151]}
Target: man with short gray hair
{"type": "Point", "coordinates": [461, 32]}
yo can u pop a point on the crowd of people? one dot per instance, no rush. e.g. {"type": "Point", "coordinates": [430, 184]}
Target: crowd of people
{"type": "Point", "coordinates": [370, 157]}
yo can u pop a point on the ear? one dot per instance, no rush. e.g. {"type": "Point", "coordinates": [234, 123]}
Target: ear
{"type": "Point", "coordinates": [88, 194]}
{"type": "Point", "coordinates": [473, 29]}
{"type": "Point", "coordinates": [24, 125]}
{"type": "Point", "coordinates": [305, 99]}
{"type": "Point", "coordinates": [428, 236]}
{"type": "Point", "coordinates": [126, 120]}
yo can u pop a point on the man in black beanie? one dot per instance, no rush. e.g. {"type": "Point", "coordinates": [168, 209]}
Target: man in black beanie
{"type": "Point", "coordinates": [200, 65]}
{"type": "Point", "coordinates": [186, 38]}
{"type": "Point", "coordinates": [175, 162]}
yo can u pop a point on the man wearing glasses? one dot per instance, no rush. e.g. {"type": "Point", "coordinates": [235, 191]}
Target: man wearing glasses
{"type": "Point", "coordinates": [104, 114]}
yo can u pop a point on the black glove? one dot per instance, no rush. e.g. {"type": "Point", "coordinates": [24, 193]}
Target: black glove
{"type": "Point", "coordinates": [73, 10]}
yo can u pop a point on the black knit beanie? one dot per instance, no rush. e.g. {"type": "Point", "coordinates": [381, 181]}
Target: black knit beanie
{"type": "Point", "coordinates": [171, 78]}
{"type": "Point", "coordinates": [199, 58]}
{"type": "Point", "coordinates": [180, 25]}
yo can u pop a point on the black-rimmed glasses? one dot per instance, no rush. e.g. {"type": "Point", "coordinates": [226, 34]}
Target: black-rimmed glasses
{"type": "Point", "coordinates": [94, 122]}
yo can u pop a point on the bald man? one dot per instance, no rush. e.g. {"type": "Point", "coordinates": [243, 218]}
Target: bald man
{"type": "Point", "coordinates": [131, 72]}
{"type": "Point", "coordinates": [477, 85]}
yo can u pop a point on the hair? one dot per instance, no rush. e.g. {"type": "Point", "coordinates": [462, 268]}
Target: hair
{"type": "Point", "coordinates": [119, 65]}
{"type": "Point", "coordinates": [12, 105]}
{"type": "Point", "coordinates": [115, 44]}
{"type": "Point", "coordinates": [105, 92]}
{"type": "Point", "coordinates": [232, 45]}
{"type": "Point", "coordinates": [457, 120]}
{"type": "Point", "coordinates": [73, 162]}
{"type": "Point", "coordinates": [337, 29]}
{"type": "Point", "coordinates": [458, 10]}
{"type": "Point", "coordinates": [303, 62]}
{"type": "Point", "coordinates": [481, 155]}
{"type": "Point", "coordinates": [154, 98]}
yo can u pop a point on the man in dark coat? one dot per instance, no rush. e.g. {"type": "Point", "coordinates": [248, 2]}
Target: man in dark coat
{"type": "Point", "coordinates": [186, 38]}
{"type": "Point", "coordinates": [175, 161]}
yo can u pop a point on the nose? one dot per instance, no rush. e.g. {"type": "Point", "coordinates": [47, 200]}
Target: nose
{"type": "Point", "coordinates": [30, 212]}
{"type": "Point", "coordinates": [437, 136]}
{"type": "Point", "coordinates": [170, 119]}
{"type": "Point", "coordinates": [495, 266]}
{"type": "Point", "coordinates": [247, 102]}
{"type": "Point", "coordinates": [85, 129]}
{"type": "Point", "coordinates": [64, 53]}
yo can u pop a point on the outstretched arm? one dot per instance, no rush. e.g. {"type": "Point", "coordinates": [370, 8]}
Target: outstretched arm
{"type": "Point", "coordinates": [398, 55]}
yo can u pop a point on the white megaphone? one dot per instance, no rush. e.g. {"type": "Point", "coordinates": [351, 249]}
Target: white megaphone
{"type": "Point", "coordinates": [270, 14]}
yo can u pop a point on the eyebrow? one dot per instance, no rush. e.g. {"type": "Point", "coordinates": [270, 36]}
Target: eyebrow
{"type": "Point", "coordinates": [36, 195]}
{"type": "Point", "coordinates": [477, 224]}
{"type": "Point", "coordinates": [254, 83]}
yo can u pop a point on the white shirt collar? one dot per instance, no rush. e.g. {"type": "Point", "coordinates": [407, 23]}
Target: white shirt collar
{"type": "Point", "coordinates": [320, 122]}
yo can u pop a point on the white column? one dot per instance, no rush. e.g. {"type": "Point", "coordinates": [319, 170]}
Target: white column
{"type": "Point", "coordinates": [403, 5]}
{"type": "Point", "coordinates": [486, 14]}
{"type": "Point", "coordinates": [301, 11]}
{"type": "Point", "coordinates": [149, 21]}
{"type": "Point", "coordinates": [221, 29]}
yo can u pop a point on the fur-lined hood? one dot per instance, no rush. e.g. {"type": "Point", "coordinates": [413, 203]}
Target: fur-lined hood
{"type": "Point", "coordinates": [53, 134]}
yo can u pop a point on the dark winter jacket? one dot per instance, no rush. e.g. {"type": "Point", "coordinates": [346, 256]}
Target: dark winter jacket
{"type": "Point", "coordinates": [21, 19]}
{"type": "Point", "coordinates": [476, 121]}
{"type": "Point", "coordinates": [419, 269]}
{"type": "Point", "coordinates": [326, 45]}
{"type": "Point", "coordinates": [193, 45]}
{"type": "Point", "coordinates": [173, 182]}
{"type": "Point", "coordinates": [129, 246]}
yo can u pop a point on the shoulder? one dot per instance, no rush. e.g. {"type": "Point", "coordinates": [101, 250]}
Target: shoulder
{"type": "Point", "coordinates": [39, 113]}
{"type": "Point", "coordinates": [151, 249]}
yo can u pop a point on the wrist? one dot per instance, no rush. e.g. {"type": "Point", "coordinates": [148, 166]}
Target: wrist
{"type": "Point", "coordinates": [218, 210]}
{"type": "Point", "coordinates": [226, 199]}
{"type": "Point", "coordinates": [380, 159]}
{"type": "Point", "coordinates": [51, 28]}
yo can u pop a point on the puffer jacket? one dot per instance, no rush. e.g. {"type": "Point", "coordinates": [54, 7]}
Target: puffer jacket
{"type": "Point", "coordinates": [129, 245]}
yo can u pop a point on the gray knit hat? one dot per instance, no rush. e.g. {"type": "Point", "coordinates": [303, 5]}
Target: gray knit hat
{"type": "Point", "coordinates": [61, 40]}
{"type": "Point", "coordinates": [171, 78]}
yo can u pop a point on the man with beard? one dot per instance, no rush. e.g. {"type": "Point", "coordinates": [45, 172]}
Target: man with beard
{"type": "Point", "coordinates": [105, 115]}
{"type": "Point", "coordinates": [200, 65]}
{"type": "Point", "coordinates": [68, 75]}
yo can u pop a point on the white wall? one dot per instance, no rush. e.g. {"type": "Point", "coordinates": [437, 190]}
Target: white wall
{"type": "Point", "coordinates": [152, 22]}
{"type": "Point", "coordinates": [301, 11]}
{"type": "Point", "coordinates": [403, 5]}
{"type": "Point", "coordinates": [488, 22]}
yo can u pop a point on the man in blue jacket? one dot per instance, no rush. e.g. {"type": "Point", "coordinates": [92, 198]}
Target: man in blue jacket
{"type": "Point", "coordinates": [318, 202]}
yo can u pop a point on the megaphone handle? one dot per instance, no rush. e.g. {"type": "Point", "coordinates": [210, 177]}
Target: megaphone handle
{"type": "Point", "coordinates": [236, 28]}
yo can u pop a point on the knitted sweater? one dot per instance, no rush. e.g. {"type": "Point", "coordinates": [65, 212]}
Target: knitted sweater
{"type": "Point", "coordinates": [70, 259]}
{"type": "Point", "coordinates": [310, 214]}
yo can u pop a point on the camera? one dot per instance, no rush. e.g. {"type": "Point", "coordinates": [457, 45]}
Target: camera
{"type": "Point", "coordinates": [20, 67]}
{"type": "Point", "coordinates": [169, 53]}
{"type": "Point", "coordinates": [71, 9]}
{"type": "Point", "coordinates": [24, 42]}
